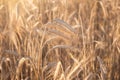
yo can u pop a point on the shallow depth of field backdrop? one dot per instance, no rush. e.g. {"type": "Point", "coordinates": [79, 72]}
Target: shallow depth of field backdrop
{"type": "Point", "coordinates": [59, 39]}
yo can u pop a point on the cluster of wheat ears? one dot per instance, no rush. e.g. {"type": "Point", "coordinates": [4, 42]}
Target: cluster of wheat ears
{"type": "Point", "coordinates": [59, 39]}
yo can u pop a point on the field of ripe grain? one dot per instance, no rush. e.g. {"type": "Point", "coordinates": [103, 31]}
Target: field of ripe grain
{"type": "Point", "coordinates": [59, 39]}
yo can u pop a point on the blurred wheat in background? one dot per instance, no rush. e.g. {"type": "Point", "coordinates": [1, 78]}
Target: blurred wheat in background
{"type": "Point", "coordinates": [60, 39]}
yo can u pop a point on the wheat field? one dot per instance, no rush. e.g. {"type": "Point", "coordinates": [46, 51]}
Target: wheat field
{"type": "Point", "coordinates": [59, 39]}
